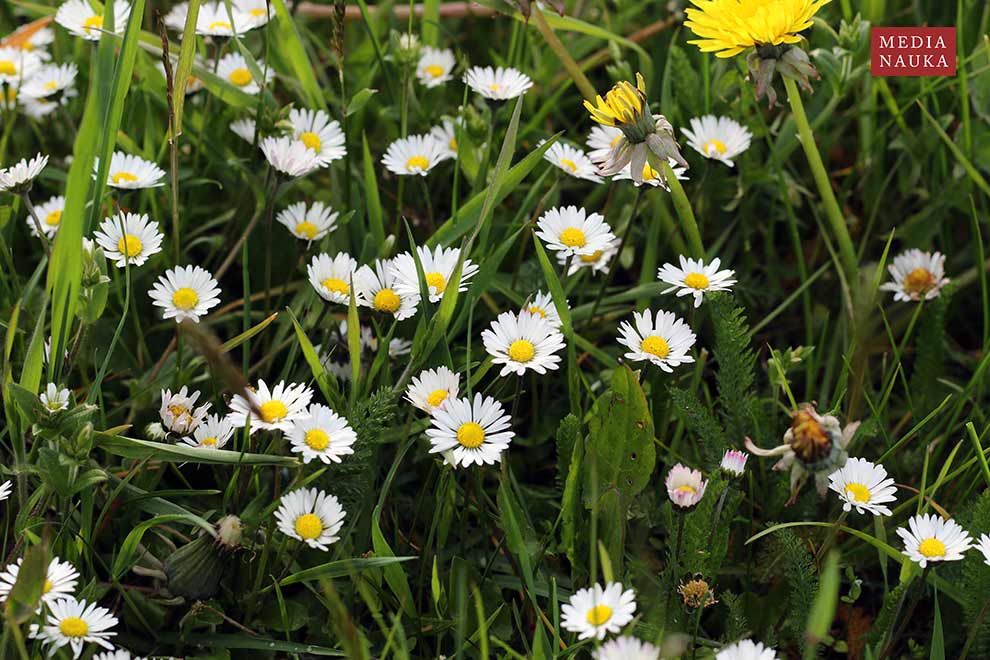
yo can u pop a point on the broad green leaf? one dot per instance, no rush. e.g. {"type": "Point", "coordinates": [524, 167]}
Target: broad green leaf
{"type": "Point", "coordinates": [394, 575]}
{"type": "Point", "coordinates": [118, 445]}
{"type": "Point", "coordinates": [25, 596]}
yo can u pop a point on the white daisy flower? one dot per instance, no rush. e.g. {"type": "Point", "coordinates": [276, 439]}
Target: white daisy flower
{"type": "Point", "coordinates": [470, 432]}
{"type": "Point", "coordinates": [212, 433]}
{"type": "Point", "coordinates": [132, 172]}
{"type": "Point", "coordinates": [50, 215]}
{"type": "Point", "coordinates": [258, 12]}
{"type": "Point", "coordinates": [309, 223]}
{"type": "Point", "coordinates": [36, 109]}
{"type": "Point", "coordinates": [718, 138]}
{"type": "Point", "coordinates": [311, 516]}
{"type": "Point", "coordinates": [185, 292]}
{"type": "Point", "coordinates": [651, 176]}
{"type": "Point", "coordinates": [930, 538]}
{"type": "Point", "coordinates": [378, 289]}
{"type": "Point", "coordinates": [179, 413]}
{"type": "Point", "coordinates": [696, 279]}
{"type": "Point", "coordinates": [734, 463]}
{"type": "Point", "coordinates": [626, 648]}
{"type": "Point", "coordinates": [665, 341]}
{"type": "Point", "coordinates": [277, 408]}
{"type": "Point", "coordinates": [79, 18]}
{"type": "Point", "coordinates": [129, 238]}
{"type": "Point", "coordinates": [446, 136]}
{"type": "Point", "coordinates": [49, 80]}
{"type": "Point", "coordinates": [332, 277]}
{"type": "Point", "coordinates": [746, 649]}
{"type": "Point", "coordinates": [917, 276]}
{"type": "Point", "coordinates": [435, 66]}
{"type": "Point", "coordinates": [983, 546]}
{"type": "Point", "coordinates": [322, 434]}
{"type": "Point", "coordinates": [570, 230]}
{"type": "Point", "coordinates": [319, 133]}
{"type": "Point", "coordinates": [863, 485]}
{"type": "Point", "coordinates": [60, 580]}
{"type": "Point", "coordinates": [685, 487]}
{"type": "Point", "coordinates": [527, 341]}
{"type": "Point", "coordinates": [290, 156]}
{"type": "Point", "coordinates": [175, 19]}
{"type": "Point", "coordinates": [54, 399]}
{"type": "Point", "coordinates": [119, 654]}
{"type": "Point", "coordinates": [597, 261]}
{"type": "Point", "coordinates": [432, 388]}
{"type": "Point", "coordinates": [72, 622]}
{"type": "Point", "coordinates": [542, 305]}
{"type": "Point", "coordinates": [18, 178]}
{"type": "Point", "coordinates": [244, 129]}
{"type": "Point", "coordinates": [34, 40]}
{"type": "Point", "coordinates": [438, 267]}
{"type": "Point", "coordinates": [416, 154]}
{"type": "Point", "coordinates": [214, 21]}
{"type": "Point", "coordinates": [572, 160]}
{"type": "Point", "coordinates": [595, 612]}
{"type": "Point", "coordinates": [498, 84]}
{"type": "Point", "coordinates": [17, 65]}
{"type": "Point", "coordinates": [233, 68]}
{"type": "Point", "coordinates": [6, 488]}
{"type": "Point", "coordinates": [601, 140]}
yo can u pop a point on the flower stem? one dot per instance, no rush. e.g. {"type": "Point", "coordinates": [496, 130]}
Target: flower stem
{"type": "Point", "coordinates": [684, 213]}
{"type": "Point", "coordinates": [674, 561]}
{"type": "Point", "coordinates": [573, 70]}
{"type": "Point", "coordinates": [847, 255]}
{"type": "Point", "coordinates": [37, 224]}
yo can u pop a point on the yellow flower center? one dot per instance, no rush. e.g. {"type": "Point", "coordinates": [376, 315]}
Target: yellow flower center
{"type": "Point", "coordinates": [655, 345]}
{"type": "Point", "coordinates": [686, 489]}
{"type": "Point", "coordinates": [569, 164]}
{"type": "Point", "coordinates": [434, 70]}
{"type": "Point", "coordinates": [437, 281]}
{"type": "Point", "coordinates": [53, 218]}
{"type": "Point", "coordinates": [573, 237]}
{"type": "Point", "coordinates": [130, 245]}
{"type": "Point", "coordinates": [919, 280]}
{"type": "Point", "coordinates": [273, 411]}
{"type": "Point", "coordinates": [216, 25]}
{"type": "Point", "coordinates": [93, 22]}
{"type": "Point", "coordinates": [126, 177]}
{"type": "Point", "coordinates": [932, 547]}
{"type": "Point", "coordinates": [696, 281]}
{"type": "Point", "coordinates": [8, 68]}
{"type": "Point", "coordinates": [521, 350]}
{"type": "Point", "coordinates": [317, 439]}
{"type": "Point", "coordinates": [51, 84]}
{"type": "Point", "coordinates": [716, 146]}
{"type": "Point", "coordinates": [185, 298]}
{"type": "Point", "coordinates": [240, 77]}
{"type": "Point", "coordinates": [27, 46]}
{"type": "Point", "coordinates": [858, 492]}
{"type": "Point", "coordinates": [48, 586]}
{"type": "Point", "coordinates": [494, 87]}
{"type": "Point", "coordinates": [599, 615]}
{"type": "Point", "coordinates": [309, 526]}
{"type": "Point", "coordinates": [649, 174]}
{"type": "Point", "coordinates": [471, 435]}
{"type": "Point", "coordinates": [591, 258]}
{"type": "Point", "coordinates": [209, 442]}
{"type": "Point", "coordinates": [452, 144]}
{"type": "Point", "coordinates": [387, 300]}
{"type": "Point", "coordinates": [177, 409]}
{"type": "Point", "coordinates": [258, 11]}
{"type": "Point", "coordinates": [307, 229]}
{"type": "Point", "coordinates": [417, 163]}
{"type": "Point", "coordinates": [73, 626]}
{"type": "Point", "coordinates": [312, 140]}
{"type": "Point", "coordinates": [437, 397]}
{"type": "Point", "coordinates": [534, 309]}
{"type": "Point", "coordinates": [336, 285]}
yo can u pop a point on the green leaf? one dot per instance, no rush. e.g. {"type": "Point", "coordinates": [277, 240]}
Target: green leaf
{"type": "Point", "coordinates": [511, 520]}
{"type": "Point", "coordinates": [938, 635]}
{"type": "Point", "coordinates": [25, 596]}
{"type": "Point", "coordinates": [394, 575]}
{"type": "Point", "coordinates": [823, 609]}
{"type": "Point", "coordinates": [118, 445]}
{"type": "Point", "coordinates": [341, 568]}
{"type": "Point", "coordinates": [289, 44]}
{"type": "Point", "coordinates": [556, 290]}
{"type": "Point", "coordinates": [373, 203]}
{"type": "Point", "coordinates": [127, 550]}
{"type": "Point", "coordinates": [325, 380]}
{"type": "Point", "coordinates": [184, 68]}
{"type": "Point", "coordinates": [231, 344]}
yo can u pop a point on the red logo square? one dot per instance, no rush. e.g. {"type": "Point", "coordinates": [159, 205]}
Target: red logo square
{"type": "Point", "coordinates": [917, 51]}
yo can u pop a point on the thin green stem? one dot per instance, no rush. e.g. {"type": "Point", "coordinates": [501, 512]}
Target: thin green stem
{"type": "Point", "coordinates": [684, 212]}
{"type": "Point", "coordinates": [847, 254]}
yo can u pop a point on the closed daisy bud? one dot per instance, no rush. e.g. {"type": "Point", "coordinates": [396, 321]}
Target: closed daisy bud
{"type": "Point", "coordinates": [595, 612]}
{"type": "Point", "coordinates": [685, 487]}
{"type": "Point", "coordinates": [734, 463]}
{"type": "Point", "coordinates": [930, 538]}
{"type": "Point", "coordinates": [311, 516]}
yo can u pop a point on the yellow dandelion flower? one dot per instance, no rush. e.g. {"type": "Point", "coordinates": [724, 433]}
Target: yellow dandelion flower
{"type": "Point", "coordinates": [728, 27]}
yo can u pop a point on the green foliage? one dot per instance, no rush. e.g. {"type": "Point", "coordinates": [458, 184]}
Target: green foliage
{"type": "Point", "coordinates": [736, 367]}
{"type": "Point", "coordinates": [789, 557]}
{"type": "Point", "coordinates": [706, 429]}
{"type": "Point", "coordinates": [930, 365]}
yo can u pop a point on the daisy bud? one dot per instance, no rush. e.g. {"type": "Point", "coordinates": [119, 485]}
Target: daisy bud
{"type": "Point", "coordinates": [734, 463]}
{"type": "Point", "coordinates": [229, 531]}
